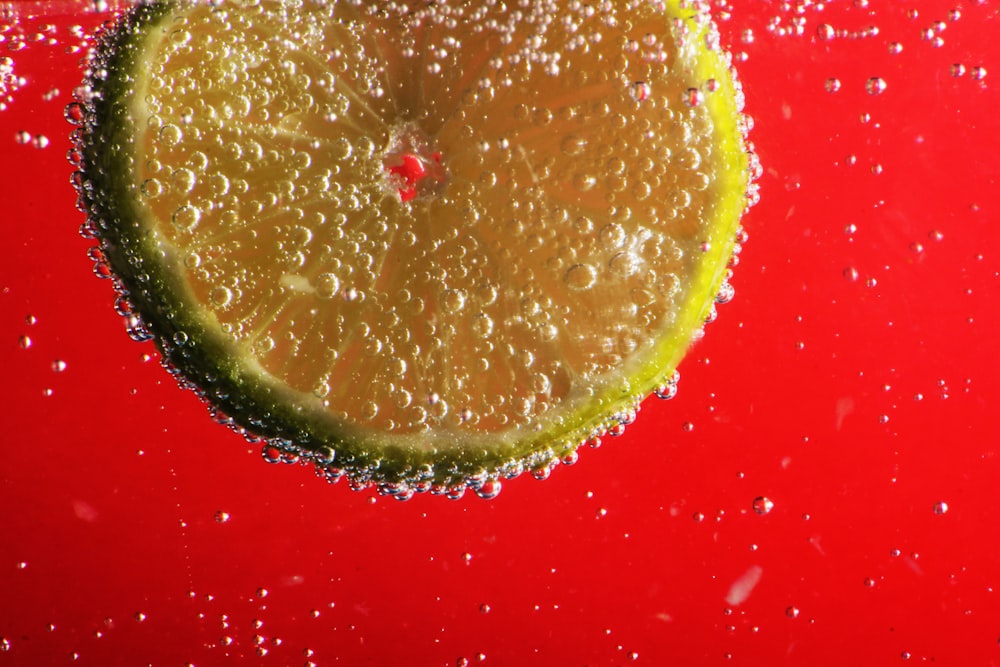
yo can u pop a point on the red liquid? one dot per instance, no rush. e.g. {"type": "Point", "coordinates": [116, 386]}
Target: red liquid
{"type": "Point", "coordinates": [821, 491]}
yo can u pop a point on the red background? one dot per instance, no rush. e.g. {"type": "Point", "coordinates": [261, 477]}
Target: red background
{"type": "Point", "coordinates": [851, 383]}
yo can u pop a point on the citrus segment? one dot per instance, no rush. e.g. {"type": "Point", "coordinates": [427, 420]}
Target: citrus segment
{"type": "Point", "coordinates": [422, 243]}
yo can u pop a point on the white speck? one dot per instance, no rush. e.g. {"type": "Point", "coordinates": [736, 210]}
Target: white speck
{"type": "Point", "coordinates": [743, 587]}
{"type": "Point", "coordinates": [84, 510]}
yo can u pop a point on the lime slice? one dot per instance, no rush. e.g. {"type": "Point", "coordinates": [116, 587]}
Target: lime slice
{"type": "Point", "coordinates": [428, 245]}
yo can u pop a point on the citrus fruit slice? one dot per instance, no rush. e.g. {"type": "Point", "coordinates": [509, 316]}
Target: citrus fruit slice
{"type": "Point", "coordinates": [430, 245]}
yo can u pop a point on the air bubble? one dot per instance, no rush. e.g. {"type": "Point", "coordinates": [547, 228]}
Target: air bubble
{"type": "Point", "coordinates": [624, 264]}
{"type": "Point", "coordinates": [327, 285]}
{"type": "Point", "coordinates": [762, 505]}
{"type": "Point", "coordinates": [584, 182]}
{"type": "Point", "coordinates": [171, 135]}
{"type": "Point", "coordinates": [452, 301]}
{"type": "Point", "coordinates": [640, 91]}
{"type": "Point", "coordinates": [75, 113]}
{"type": "Point", "coordinates": [875, 85]}
{"type": "Point", "coordinates": [186, 217]}
{"type": "Point", "coordinates": [221, 296]}
{"type": "Point", "coordinates": [489, 489]}
{"type": "Point", "coordinates": [693, 97]}
{"type": "Point", "coordinates": [151, 188]}
{"type": "Point", "coordinates": [482, 326]}
{"type": "Point", "coordinates": [183, 180]}
{"type": "Point", "coordinates": [581, 277]}
{"type": "Point", "coordinates": [726, 293]}
{"type": "Point", "coordinates": [573, 144]}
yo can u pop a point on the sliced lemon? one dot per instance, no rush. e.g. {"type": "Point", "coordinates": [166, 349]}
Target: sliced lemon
{"type": "Point", "coordinates": [425, 244]}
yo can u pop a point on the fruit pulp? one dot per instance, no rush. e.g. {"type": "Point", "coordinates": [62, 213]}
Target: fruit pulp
{"type": "Point", "coordinates": [248, 168]}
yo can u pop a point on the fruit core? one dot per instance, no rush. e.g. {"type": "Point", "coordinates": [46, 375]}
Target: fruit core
{"type": "Point", "coordinates": [411, 166]}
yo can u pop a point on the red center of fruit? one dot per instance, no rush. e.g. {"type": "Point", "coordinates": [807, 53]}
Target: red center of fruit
{"type": "Point", "coordinates": [407, 170]}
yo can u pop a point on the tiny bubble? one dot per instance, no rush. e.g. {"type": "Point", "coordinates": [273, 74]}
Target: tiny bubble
{"type": "Point", "coordinates": [223, 517]}
{"type": "Point", "coordinates": [792, 612]}
{"type": "Point", "coordinates": [639, 91]}
{"type": "Point", "coordinates": [940, 508]}
{"type": "Point", "coordinates": [762, 505]}
{"type": "Point", "coordinates": [875, 85]}
{"type": "Point", "coordinates": [694, 97]}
